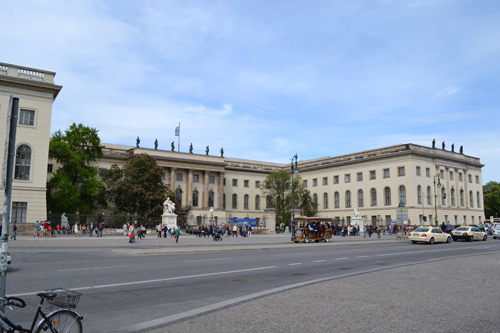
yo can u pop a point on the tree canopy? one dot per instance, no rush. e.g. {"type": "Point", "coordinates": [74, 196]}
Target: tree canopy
{"type": "Point", "coordinates": [491, 193]}
{"type": "Point", "coordinates": [137, 187]}
{"type": "Point", "coordinates": [278, 187]}
{"type": "Point", "coordinates": [75, 185]}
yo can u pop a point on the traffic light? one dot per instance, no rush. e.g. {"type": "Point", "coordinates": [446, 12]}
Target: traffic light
{"type": "Point", "coordinates": [425, 218]}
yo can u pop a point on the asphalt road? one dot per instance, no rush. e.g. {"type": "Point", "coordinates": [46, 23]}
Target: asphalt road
{"type": "Point", "coordinates": [157, 285]}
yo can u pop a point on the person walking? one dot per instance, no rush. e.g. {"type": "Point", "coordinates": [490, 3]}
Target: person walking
{"type": "Point", "coordinates": [14, 229]}
{"type": "Point", "coordinates": [131, 234]}
{"type": "Point", "coordinates": [177, 233]}
{"type": "Point", "coordinates": [158, 230]}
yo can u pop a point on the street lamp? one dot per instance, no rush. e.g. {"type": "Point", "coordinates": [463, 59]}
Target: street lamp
{"type": "Point", "coordinates": [294, 169]}
{"type": "Point", "coordinates": [435, 197]}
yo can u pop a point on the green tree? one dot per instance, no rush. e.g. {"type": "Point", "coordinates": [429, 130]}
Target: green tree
{"type": "Point", "coordinates": [278, 187]}
{"type": "Point", "coordinates": [491, 194]}
{"type": "Point", "coordinates": [75, 185]}
{"type": "Point", "coordinates": [138, 187]}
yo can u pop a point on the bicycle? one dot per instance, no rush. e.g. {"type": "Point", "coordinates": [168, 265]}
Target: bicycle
{"type": "Point", "coordinates": [62, 320]}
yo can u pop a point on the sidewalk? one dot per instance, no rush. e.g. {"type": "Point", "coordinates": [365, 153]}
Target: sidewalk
{"type": "Point", "coordinates": [188, 243]}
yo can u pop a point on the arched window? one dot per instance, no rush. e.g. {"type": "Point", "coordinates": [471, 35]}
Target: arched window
{"type": "Point", "coordinates": [419, 194]}
{"type": "Point", "coordinates": [235, 201]}
{"type": "Point", "coordinates": [178, 196]}
{"type": "Point", "coordinates": [452, 195]}
{"type": "Point", "coordinates": [223, 200]}
{"type": "Point", "coordinates": [428, 195]}
{"type": "Point", "coordinates": [257, 202]}
{"type": "Point", "coordinates": [387, 196]}
{"type": "Point", "coordinates": [373, 194]}
{"type": "Point", "coordinates": [443, 197]}
{"type": "Point", "coordinates": [325, 200]}
{"type": "Point", "coordinates": [462, 199]}
{"type": "Point", "coordinates": [402, 194]}
{"type": "Point", "coordinates": [337, 199]}
{"type": "Point", "coordinates": [195, 198]}
{"type": "Point", "coordinates": [211, 198]}
{"type": "Point", "coordinates": [478, 200]}
{"type": "Point", "coordinates": [315, 198]}
{"type": "Point", "coordinates": [347, 199]}
{"type": "Point", "coordinates": [23, 163]}
{"type": "Point", "coordinates": [361, 201]}
{"type": "Point", "coordinates": [245, 201]}
{"type": "Point", "coordinates": [471, 200]}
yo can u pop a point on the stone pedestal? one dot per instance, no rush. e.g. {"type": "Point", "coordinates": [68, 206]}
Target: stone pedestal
{"type": "Point", "coordinates": [270, 219]}
{"type": "Point", "coordinates": [358, 221]}
{"type": "Point", "coordinates": [170, 220]}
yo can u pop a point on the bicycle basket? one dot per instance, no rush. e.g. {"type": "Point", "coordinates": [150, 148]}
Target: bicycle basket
{"type": "Point", "coordinates": [65, 298]}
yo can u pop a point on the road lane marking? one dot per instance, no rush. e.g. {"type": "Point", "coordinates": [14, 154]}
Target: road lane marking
{"type": "Point", "coordinates": [295, 264]}
{"type": "Point", "coordinates": [319, 260]}
{"type": "Point", "coordinates": [291, 254]}
{"type": "Point", "coordinates": [362, 256]}
{"type": "Point", "coordinates": [215, 259]}
{"type": "Point", "coordinates": [341, 258]}
{"type": "Point", "coordinates": [89, 268]}
{"type": "Point", "coordinates": [156, 323]}
{"type": "Point", "coordinates": [131, 283]}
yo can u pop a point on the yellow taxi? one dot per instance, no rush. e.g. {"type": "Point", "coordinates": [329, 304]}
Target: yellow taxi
{"type": "Point", "coordinates": [429, 235]}
{"type": "Point", "coordinates": [469, 234]}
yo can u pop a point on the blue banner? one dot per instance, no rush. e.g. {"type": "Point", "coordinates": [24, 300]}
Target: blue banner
{"type": "Point", "coordinates": [253, 222]}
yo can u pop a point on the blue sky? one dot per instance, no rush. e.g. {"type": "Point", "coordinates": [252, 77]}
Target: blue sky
{"type": "Point", "coordinates": [268, 79]}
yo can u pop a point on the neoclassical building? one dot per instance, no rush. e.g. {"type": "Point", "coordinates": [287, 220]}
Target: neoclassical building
{"type": "Point", "coordinates": [36, 91]}
{"type": "Point", "coordinates": [407, 183]}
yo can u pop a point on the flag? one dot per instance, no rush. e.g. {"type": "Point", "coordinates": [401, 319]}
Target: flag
{"type": "Point", "coordinates": [177, 130]}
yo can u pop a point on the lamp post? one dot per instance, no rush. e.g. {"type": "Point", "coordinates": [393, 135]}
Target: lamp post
{"type": "Point", "coordinates": [435, 198]}
{"type": "Point", "coordinates": [294, 169]}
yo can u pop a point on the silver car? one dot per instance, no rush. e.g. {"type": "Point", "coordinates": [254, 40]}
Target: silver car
{"type": "Point", "coordinates": [496, 232]}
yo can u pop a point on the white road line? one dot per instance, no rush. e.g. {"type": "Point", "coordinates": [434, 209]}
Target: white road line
{"type": "Point", "coordinates": [295, 264]}
{"type": "Point", "coordinates": [341, 258]}
{"type": "Point", "coordinates": [89, 268]}
{"type": "Point", "coordinates": [362, 256]}
{"type": "Point", "coordinates": [131, 283]}
{"type": "Point", "coordinates": [319, 260]}
{"type": "Point", "coordinates": [290, 254]}
{"type": "Point", "coordinates": [215, 259]}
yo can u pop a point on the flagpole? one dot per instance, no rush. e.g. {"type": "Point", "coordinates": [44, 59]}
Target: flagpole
{"type": "Point", "coordinates": [179, 139]}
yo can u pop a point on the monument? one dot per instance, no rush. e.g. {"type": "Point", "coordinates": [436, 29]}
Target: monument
{"type": "Point", "coordinates": [64, 220]}
{"type": "Point", "coordinates": [169, 218]}
{"type": "Point", "coordinates": [357, 220]}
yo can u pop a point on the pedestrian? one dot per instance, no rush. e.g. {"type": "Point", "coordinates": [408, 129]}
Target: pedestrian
{"type": "Point", "coordinates": [36, 226]}
{"type": "Point", "coordinates": [364, 232]}
{"type": "Point", "coordinates": [235, 230]}
{"type": "Point", "coordinates": [75, 229]}
{"type": "Point", "coordinates": [131, 234]}
{"type": "Point", "coordinates": [99, 229]}
{"type": "Point", "coordinates": [158, 230]}
{"type": "Point", "coordinates": [177, 234]}
{"type": "Point", "coordinates": [165, 230]}
{"type": "Point", "coordinates": [14, 229]}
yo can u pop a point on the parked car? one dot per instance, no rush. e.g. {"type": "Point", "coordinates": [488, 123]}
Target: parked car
{"type": "Point", "coordinates": [468, 233]}
{"type": "Point", "coordinates": [429, 235]}
{"type": "Point", "coordinates": [496, 232]}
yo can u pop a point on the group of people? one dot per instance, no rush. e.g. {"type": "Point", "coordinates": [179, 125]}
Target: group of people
{"type": "Point", "coordinates": [130, 231]}
{"type": "Point", "coordinates": [43, 229]}
{"type": "Point", "coordinates": [225, 230]}
{"type": "Point", "coordinates": [88, 229]}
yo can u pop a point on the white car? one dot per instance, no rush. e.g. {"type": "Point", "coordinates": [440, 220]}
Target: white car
{"type": "Point", "coordinates": [469, 234]}
{"type": "Point", "coordinates": [429, 235]}
{"type": "Point", "coordinates": [496, 232]}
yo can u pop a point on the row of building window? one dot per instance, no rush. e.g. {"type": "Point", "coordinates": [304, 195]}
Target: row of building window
{"type": "Point", "coordinates": [386, 174]}
{"type": "Point", "coordinates": [402, 198]}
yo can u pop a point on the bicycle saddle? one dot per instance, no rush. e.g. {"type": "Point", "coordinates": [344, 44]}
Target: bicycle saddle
{"type": "Point", "coordinates": [47, 295]}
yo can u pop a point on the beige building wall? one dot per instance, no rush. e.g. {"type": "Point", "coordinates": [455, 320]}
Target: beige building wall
{"type": "Point", "coordinates": [36, 91]}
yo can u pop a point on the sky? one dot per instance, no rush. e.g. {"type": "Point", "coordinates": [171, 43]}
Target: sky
{"type": "Point", "coordinates": [269, 79]}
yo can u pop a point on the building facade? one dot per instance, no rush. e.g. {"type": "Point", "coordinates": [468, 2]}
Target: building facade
{"type": "Point", "coordinates": [36, 91]}
{"type": "Point", "coordinates": [408, 184]}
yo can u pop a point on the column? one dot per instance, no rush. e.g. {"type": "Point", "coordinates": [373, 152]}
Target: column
{"type": "Point", "coordinates": [205, 190]}
{"type": "Point", "coordinates": [220, 191]}
{"type": "Point", "coordinates": [173, 175]}
{"type": "Point", "coordinates": [189, 189]}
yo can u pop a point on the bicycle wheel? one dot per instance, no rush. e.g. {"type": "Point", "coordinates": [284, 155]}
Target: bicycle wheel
{"type": "Point", "coordinates": [61, 321]}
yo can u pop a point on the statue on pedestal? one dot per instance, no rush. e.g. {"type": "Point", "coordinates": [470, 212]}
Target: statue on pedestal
{"type": "Point", "coordinates": [207, 149]}
{"type": "Point", "coordinates": [156, 144]}
{"type": "Point", "coordinates": [443, 145]}
{"type": "Point", "coordinates": [222, 152]}
{"type": "Point", "coordinates": [191, 148]}
{"type": "Point", "coordinates": [137, 142]}
{"type": "Point", "coordinates": [168, 206]}
{"type": "Point", "coordinates": [172, 146]}
{"type": "Point", "coordinates": [434, 143]}
{"type": "Point", "coordinates": [64, 219]}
